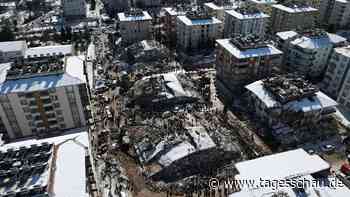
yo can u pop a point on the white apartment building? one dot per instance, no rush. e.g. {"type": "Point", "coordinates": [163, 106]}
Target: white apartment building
{"type": "Point", "coordinates": [135, 26]}
{"type": "Point", "coordinates": [335, 12]}
{"type": "Point", "coordinates": [308, 52]}
{"type": "Point", "coordinates": [45, 99]}
{"type": "Point", "coordinates": [74, 8]}
{"type": "Point", "coordinates": [244, 21]}
{"type": "Point", "coordinates": [292, 16]}
{"type": "Point", "coordinates": [242, 60]}
{"type": "Point", "coordinates": [336, 82]}
{"type": "Point", "coordinates": [218, 11]}
{"type": "Point", "coordinates": [12, 50]}
{"type": "Point", "coordinates": [289, 105]}
{"type": "Point", "coordinates": [197, 31]}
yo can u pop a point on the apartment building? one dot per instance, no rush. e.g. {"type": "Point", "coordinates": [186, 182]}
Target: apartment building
{"type": "Point", "coordinates": [336, 82]}
{"type": "Point", "coordinates": [244, 21]}
{"type": "Point", "coordinates": [42, 96]}
{"type": "Point", "coordinates": [74, 8]}
{"type": "Point", "coordinates": [263, 5]}
{"type": "Point", "coordinates": [218, 10]}
{"type": "Point", "coordinates": [135, 25]}
{"type": "Point", "coordinates": [335, 12]}
{"type": "Point", "coordinates": [169, 23]}
{"type": "Point", "coordinates": [308, 52]}
{"type": "Point", "coordinates": [12, 50]}
{"type": "Point", "coordinates": [147, 3]}
{"type": "Point", "coordinates": [292, 16]}
{"type": "Point", "coordinates": [244, 59]}
{"type": "Point", "coordinates": [291, 107]}
{"type": "Point", "coordinates": [197, 30]}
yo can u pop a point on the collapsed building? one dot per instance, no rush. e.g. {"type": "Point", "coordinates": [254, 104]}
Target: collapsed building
{"type": "Point", "coordinates": [184, 153]}
{"type": "Point", "coordinates": [290, 105]}
{"type": "Point", "coordinates": [145, 51]}
{"type": "Point", "coordinates": [162, 91]}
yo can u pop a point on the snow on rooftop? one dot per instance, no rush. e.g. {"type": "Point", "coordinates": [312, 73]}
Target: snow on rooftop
{"type": "Point", "coordinates": [318, 42]}
{"type": "Point", "coordinates": [278, 166]}
{"type": "Point", "coordinates": [190, 22]}
{"type": "Point", "coordinates": [285, 35]}
{"type": "Point", "coordinates": [123, 17]}
{"type": "Point", "coordinates": [320, 100]}
{"type": "Point", "coordinates": [69, 179]}
{"type": "Point", "coordinates": [13, 46]}
{"type": "Point", "coordinates": [178, 152]}
{"type": "Point", "coordinates": [241, 54]}
{"type": "Point", "coordinates": [239, 15]}
{"type": "Point", "coordinates": [295, 9]}
{"type": "Point", "coordinates": [74, 75]}
{"type": "Point", "coordinates": [49, 51]}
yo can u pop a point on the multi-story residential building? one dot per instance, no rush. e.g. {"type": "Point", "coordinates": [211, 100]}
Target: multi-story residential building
{"type": "Point", "coordinates": [42, 96]}
{"type": "Point", "coordinates": [290, 107]}
{"type": "Point", "coordinates": [135, 25]}
{"type": "Point", "coordinates": [74, 8]}
{"type": "Point", "coordinates": [335, 12]}
{"type": "Point", "coordinates": [336, 82]}
{"type": "Point", "coordinates": [12, 50]}
{"type": "Point", "coordinates": [242, 60]}
{"type": "Point", "coordinates": [308, 52]}
{"type": "Point", "coordinates": [169, 24]}
{"type": "Point", "coordinates": [244, 21]}
{"type": "Point", "coordinates": [292, 16]}
{"type": "Point", "coordinates": [197, 30]}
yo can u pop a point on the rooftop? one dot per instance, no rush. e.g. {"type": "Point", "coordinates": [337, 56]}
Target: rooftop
{"type": "Point", "coordinates": [134, 15]}
{"type": "Point", "coordinates": [345, 51]}
{"type": "Point", "coordinates": [269, 2]}
{"type": "Point", "coordinates": [73, 75]}
{"type": "Point", "coordinates": [13, 46]}
{"type": "Point", "coordinates": [69, 162]}
{"type": "Point", "coordinates": [313, 39]}
{"type": "Point", "coordinates": [59, 50]}
{"type": "Point", "coordinates": [290, 93]}
{"type": "Point", "coordinates": [247, 13]}
{"type": "Point", "coordinates": [248, 47]}
{"type": "Point", "coordinates": [295, 7]}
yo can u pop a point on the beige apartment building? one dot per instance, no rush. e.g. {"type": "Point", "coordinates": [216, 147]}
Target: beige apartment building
{"type": "Point", "coordinates": [244, 59]}
{"type": "Point", "coordinates": [197, 31]}
{"type": "Point", "coordinates": [135, 25]}
{"type": "Point", "coordinates": [292, 16]}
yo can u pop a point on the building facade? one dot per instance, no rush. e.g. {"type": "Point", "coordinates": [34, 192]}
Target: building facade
{"type": "Point", "coordinates": [335, 13]}
{"type": "Point", "coordinates": [43, 101]}
{"type": "Point", "coordinates": [169, 24]}
{"type": "Point", "coordinates": [291, 16]}
{"type": "Point", "coordinates": [308, 52]}
{"type": "Point", "coordinates": [336, 82]}
{"type": "Point", "coordinates": [135, 26]}
{"type": "Point", "coordinates": [242, 60]}
{"type": "Point", "coordinates": [196, 31]}
{"type": "Point", "coordinates": [244, 21]}
{"type": "Point", "coordinates": [74, 8]}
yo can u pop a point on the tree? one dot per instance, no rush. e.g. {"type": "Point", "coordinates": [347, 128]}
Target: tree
{"type": "Point", "coordinates": [6, 34]}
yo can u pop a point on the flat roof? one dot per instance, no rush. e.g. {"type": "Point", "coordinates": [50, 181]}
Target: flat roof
{"type": "Point", "coordinates": [69, 178]}
{"type": "Point", "coordinates": [190, 22]}
{"type": "Point", "coordinates": [345, 51]}
{"type": "Point", "coordinates": [123, 17]}
{"type": "Point", "coordinates": [268, 2]}
{"type": "Point", "coordinates": [13, 46]}
{"type": "Point", "coordinates": [318, 42]}
{"type": "Point", "coordinates": [285, 35]}
{"type": "Point", "coordinates": [241, 16]}
{"type": "Point", "coordinates": [242, 54]}
{"type": "Point", "coordinates": [320, 100]}
{"type": "Point", "coordinates": [51, 50]}
{"type": "Point", "coordinates": [174, 12]}
{"type": "Point", "coordinates": [278, 166]}
{"type": "Point", "coordinates": [295, 9]}
{"type": "Point", "coordinates": [74, 75]}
